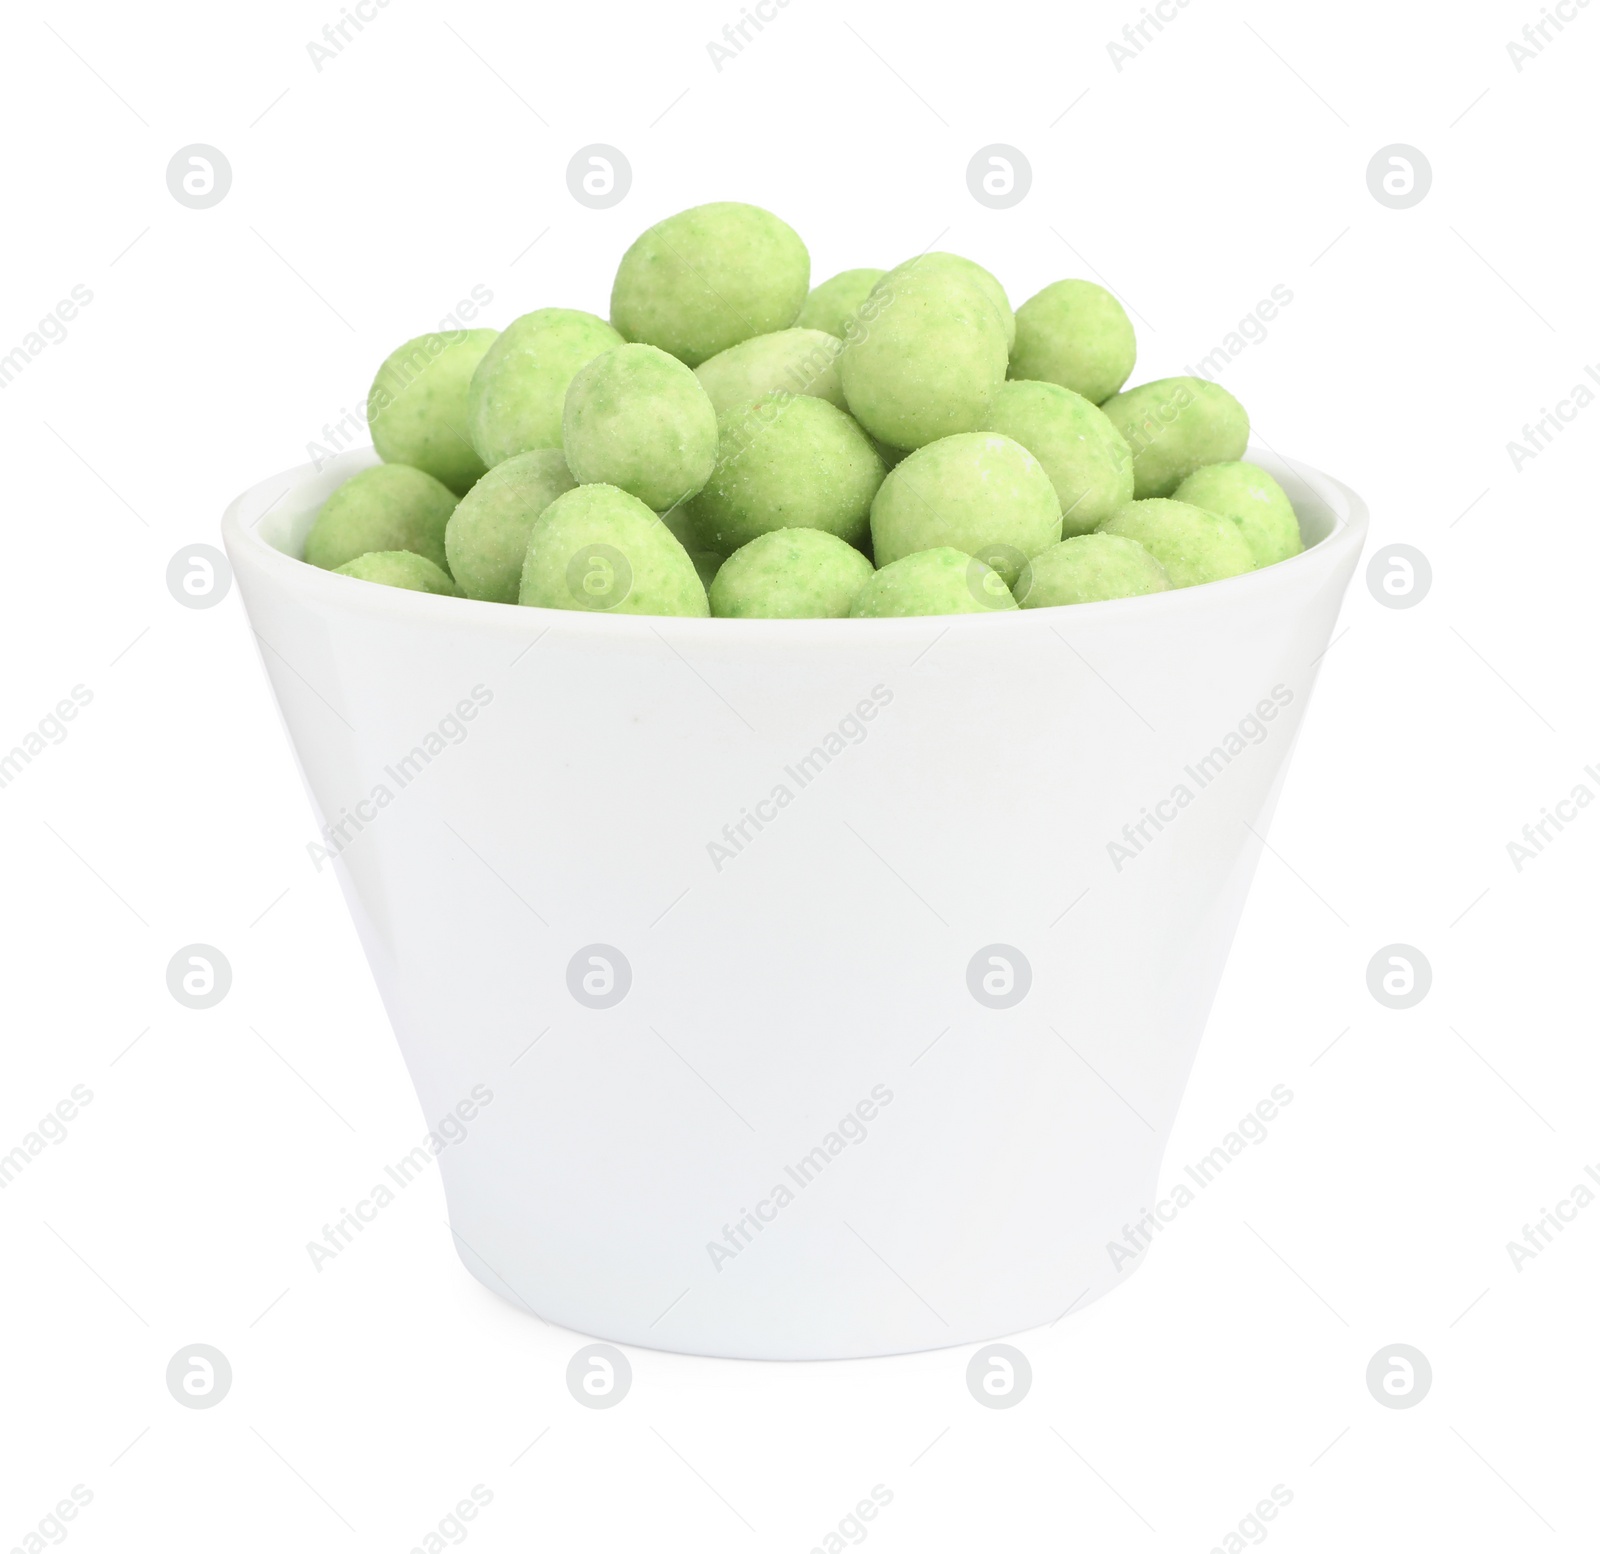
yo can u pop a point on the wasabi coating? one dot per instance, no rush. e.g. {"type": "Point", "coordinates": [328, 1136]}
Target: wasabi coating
{"type": "Point", "coordinates": [598, 548]}
{"type": "Point", "coordinates": [890, 456]}
{"type": "Point", "coordinates": [1192, 545]}
{"type": "Point", "coordinates": [786, 462]}
{"type": "Point", "coordinates": [708, 278]}
{"type": "Point", "coordinates": [792, 361]}
{"type": "Point", "coordinates": [933, 582]}
{"type": "Point", "coordinates": [978, 493]}
{"type": "Point", "coordinates": [487, 535]}
{"type": "Point", "coordinates": [515, 397]}
{"type": "Point", "coordinates": [1174, 427]}
{"type": "Point", "coordinates": [928, 359]}
{"type": "Point", "coordinates": [984, 280]}
{"type": "Point", "coordinates": [1087, 459]}
{"type": "Point", "coordinates": [1248, 495]}
{"type": "Point", "coordinates": [400, 569]}
{"type": "Point", "coordinates": [417, 407]}
{"type": "Point", "coordinates": [387, 507]}
{"type": "Point", "coordinates": [832, 305]}
{"type": "Point", "coordinates": [1087, 568]}
{"type": "Point", "coordinates": [790, 574]}
{"type": "Point", "coordinates": [637, 418]}
{"type": "Point", "coordinates": [706, 562]}
{"type": "Point", "coordinates": [1076, 334]}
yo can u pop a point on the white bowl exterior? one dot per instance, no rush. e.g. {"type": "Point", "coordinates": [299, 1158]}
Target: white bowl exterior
{"type": "Point", "coordinates": [778, 990]}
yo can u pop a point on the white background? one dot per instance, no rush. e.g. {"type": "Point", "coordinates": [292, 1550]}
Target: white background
{"type": "Point", "coordinates": [1228, 157]}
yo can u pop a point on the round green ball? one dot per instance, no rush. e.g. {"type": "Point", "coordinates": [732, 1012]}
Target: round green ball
{"type": "Point", "coordinates": [792, 361]}
{"type": "Point", "coordinates": [707, 563]}
{"type": "Point", "coordinates": [1174, 427]}
{"type": "Point", "coordinates": [928, 359]}
{"type": "Point", "coordinates": [944, 581]}
{"type": "Point", "coordinates": [968, 269]}
{"type": "Point", "coordinates": [977, 492]}
{"type": "Point", "coordinates": [1085, 456]}
{"type": "Point", "coordinates": [637, 418]}
{"type": "Point", "coordinates": [832, 305]}
{"type": "Point", "coordinates": [679, 526]}
{"type": "Point", "coordinates": [786, 462]}
{"type": "Point", "coordinates": [1192, 545]}
{"type": "Point", "coordinates": [598, 548]}
{"type": "Point", "coordinates": [708, 278]}
{"type": "Point", "coordinates": [487, 535]}
{"type": "Point", "coordinates": [400, 569]}
{"type": "Point", "coordinates": [417, 407]}
{"type": "Point", "coordinates": [1076, 334]}
{"type": "Point", "coordinates": [1089, 567]}
{"type": "Point", "coordinates": [790, 574]}
{"type": "Point", "coordinates": [514, 400]}
{"type": "Point", "coordinates": [386, 507]}
{"type": "Point", "coordinates": [1248, 495]}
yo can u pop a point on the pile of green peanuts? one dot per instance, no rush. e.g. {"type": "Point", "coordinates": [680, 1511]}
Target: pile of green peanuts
{"type": "Point", "coordinates": [736, 443]}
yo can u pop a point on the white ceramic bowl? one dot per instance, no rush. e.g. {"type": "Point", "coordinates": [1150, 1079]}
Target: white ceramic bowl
{"type": "Point", "coordinates": [800, 1133]}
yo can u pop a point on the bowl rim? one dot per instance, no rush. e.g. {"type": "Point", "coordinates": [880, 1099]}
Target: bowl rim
{"type": "Point", "coordinates": [248, 549]}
